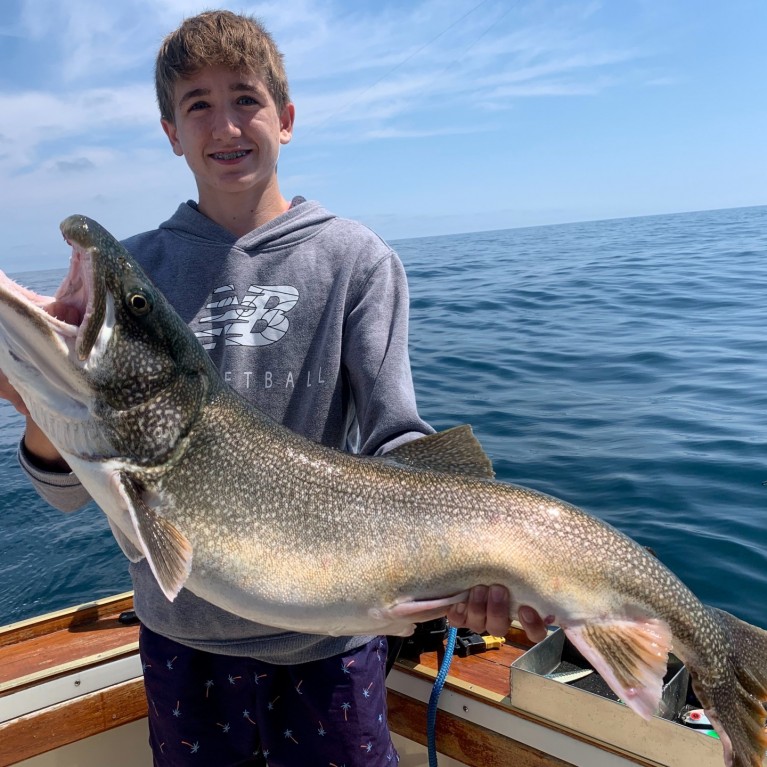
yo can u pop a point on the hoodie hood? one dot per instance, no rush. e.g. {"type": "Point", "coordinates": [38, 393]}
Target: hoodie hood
{"type": "Point", "coordinates": [302, 221]}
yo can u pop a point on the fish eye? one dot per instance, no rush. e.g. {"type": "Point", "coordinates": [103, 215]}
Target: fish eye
{"type": "Point", "coordinates": [139, 303]}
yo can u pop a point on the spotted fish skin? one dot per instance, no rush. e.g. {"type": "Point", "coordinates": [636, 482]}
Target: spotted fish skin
{"type": "Point", "coordinates": [302, 537]}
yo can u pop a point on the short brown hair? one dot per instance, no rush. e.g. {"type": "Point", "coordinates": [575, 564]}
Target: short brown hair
{"type": "Point", "coordinates": [238, 42]}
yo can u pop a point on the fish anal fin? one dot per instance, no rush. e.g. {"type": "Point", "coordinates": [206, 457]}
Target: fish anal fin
{"type": "Point", "coordinates": [455, 450]}
{"type": "Point", "coordinates": [167, 550]}
{"type": "Point", "coordinates": [400, 619]}
{"type": "Point", "coordinates": [630, 655]}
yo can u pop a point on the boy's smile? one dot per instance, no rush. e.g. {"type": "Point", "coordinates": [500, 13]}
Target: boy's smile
{"type": "Point", "coordinates": [228, 128]}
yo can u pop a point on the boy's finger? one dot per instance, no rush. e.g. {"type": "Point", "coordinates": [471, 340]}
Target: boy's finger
{"type": "Point", "coordinates": [498, 617]}
{"type": "Point", "coordinates": [532, 623]}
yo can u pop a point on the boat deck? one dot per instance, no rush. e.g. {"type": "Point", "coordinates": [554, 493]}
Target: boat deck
{"type": "Point", "coordinates": [41, 649]}
{"type": "Point", "coordinates": [67, 676]}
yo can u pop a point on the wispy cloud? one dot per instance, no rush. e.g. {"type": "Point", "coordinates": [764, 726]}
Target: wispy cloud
{"type": "Point", "coordinates": [400, 133]}
{"type": "Point", "coordinates": [37, 125]}
{"type": "Point", "coordinates": [88, 40]}
{"type": "Point", "coordinates": [375, 70]}
{"type": "Point", "coordinates": [492, 55]}
{"type": "Point", "coordinates": [82, 116]}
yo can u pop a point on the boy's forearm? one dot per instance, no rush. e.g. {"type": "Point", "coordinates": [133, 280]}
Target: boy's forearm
{"type": "Point", "coordinates": [48, 472]}
{"type": "Point", "coordinates": [41, 451]}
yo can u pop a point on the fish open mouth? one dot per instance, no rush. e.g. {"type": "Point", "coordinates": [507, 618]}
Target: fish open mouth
{"type": "Point", "coordinates": [73, 302]}
{"type": "Point", "coordinates": [67, 314]}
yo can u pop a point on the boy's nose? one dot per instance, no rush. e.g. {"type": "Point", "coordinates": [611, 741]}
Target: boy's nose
{"type": "Point", "coordinates": [225, 125]}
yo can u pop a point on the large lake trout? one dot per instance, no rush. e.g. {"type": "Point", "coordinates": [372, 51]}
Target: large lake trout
{"type": "Point", "coordinates": [305, 538]}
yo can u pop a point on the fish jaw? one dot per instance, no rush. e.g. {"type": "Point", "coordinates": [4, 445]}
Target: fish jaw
{"type": "Point", "coordinates": [58, 366]}
{"type": "Point", "coordinates": [101, 388]}
{"type": "Point", "coordinates": [38, 355]}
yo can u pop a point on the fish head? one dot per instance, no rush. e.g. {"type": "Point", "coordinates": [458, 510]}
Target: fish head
{"type": "Point", "coordinates": [122, 375]}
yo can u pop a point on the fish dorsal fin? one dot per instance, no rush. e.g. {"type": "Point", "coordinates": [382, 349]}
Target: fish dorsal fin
{"type": "Point", "coordinates": [167, 550]}
{"type": "Point", "coordinates": [454, 450]}
{"type": "Point", "coordinates": [630, 655]}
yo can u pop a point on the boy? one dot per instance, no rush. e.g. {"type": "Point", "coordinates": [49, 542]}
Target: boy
{"type": "Point", "coordinates": [306, 316]}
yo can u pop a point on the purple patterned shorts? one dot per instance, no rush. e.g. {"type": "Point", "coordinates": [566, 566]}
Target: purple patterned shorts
{"type": "Point", "coordinates": [216, 710]}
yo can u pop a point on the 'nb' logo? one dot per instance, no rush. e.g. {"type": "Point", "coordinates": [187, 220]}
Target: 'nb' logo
{"type": "Point", "coordinates": [258, 319]}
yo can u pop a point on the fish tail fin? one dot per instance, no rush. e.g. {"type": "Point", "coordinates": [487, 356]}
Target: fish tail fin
{"type": "Point", "coordinates": [733, 697]}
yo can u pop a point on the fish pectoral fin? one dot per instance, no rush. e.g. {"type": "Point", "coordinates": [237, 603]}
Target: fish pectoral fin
{"type": "Point", "coordinates": [167, 550]}
{"type": "Point", "coordinates": [455, 450]}
{"type": "Point", "coordinates": [630, 655]}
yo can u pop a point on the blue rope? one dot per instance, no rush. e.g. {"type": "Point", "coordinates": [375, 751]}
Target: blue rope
{"type": "Point", "coordinates": [439, 683]}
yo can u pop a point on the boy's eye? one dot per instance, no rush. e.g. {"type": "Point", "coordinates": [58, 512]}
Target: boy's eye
{"type": "Point", "coordinates": [247, 101]}
{"type": "Point", "coordinates": [198, 105]}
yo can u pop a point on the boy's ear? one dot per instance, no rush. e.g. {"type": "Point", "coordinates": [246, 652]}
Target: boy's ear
{"type": "Point", "coordinates": [172, 134]}
{"type": "Point", "coordinates": [287, 119]}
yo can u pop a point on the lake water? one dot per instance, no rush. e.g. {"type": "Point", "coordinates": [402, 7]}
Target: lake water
{"type": "Point", "coordinates": [620, 365]}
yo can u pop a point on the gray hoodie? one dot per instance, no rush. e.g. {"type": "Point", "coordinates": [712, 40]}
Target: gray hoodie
{"type": "Point", "coordinates": [306, 317]}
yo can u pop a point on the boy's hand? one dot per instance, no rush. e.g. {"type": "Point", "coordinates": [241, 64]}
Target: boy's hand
{"type": "Point", "coordinates": [488, 610]}
{"type": "Point", "coordinates": [9, 393]}
{"type": "Point", "coordinates": [40, 449]}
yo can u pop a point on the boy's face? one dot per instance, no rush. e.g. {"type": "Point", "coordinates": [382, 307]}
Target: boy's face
{"type": "Point", "coordinates": [227, 127]}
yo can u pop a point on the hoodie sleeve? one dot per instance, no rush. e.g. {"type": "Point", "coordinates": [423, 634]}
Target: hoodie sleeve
{"type": "Point", "coordinates": [61, 490]}
{"type": "Point", "coordinates": [377, 362]}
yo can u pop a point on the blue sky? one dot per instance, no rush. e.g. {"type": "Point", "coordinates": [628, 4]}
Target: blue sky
{"type": "Point", "coordinates": [418, 118]}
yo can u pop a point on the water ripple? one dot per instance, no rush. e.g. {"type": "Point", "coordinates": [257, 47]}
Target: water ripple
{"type": "Point", "coordinates": [616, 364]}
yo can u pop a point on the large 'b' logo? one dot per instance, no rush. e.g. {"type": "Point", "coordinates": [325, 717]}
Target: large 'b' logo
{"type": "Point", "coordinates": [258, 319]}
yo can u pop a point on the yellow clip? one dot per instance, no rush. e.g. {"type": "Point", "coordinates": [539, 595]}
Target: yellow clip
{"type": "Point", "coordinates": [493, 643]}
